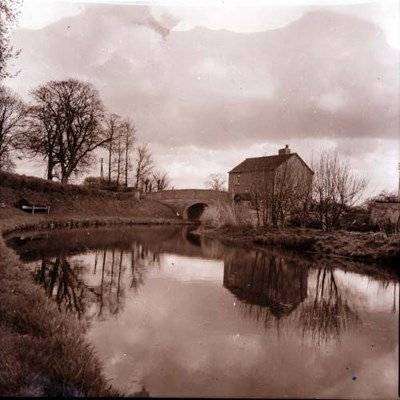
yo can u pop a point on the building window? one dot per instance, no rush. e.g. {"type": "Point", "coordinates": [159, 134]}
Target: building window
{"type": "Point", "coordinates": [237, 179]}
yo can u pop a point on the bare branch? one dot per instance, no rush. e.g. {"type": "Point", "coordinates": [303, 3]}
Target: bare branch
{"type": "Point", "coordinates": [9, 11]}
{"type": "Point", "coordinates": [143, 168]}
{"type": "Point", "coordinates": [12, 124]}
{"type": "Point", "coordinates": [335, 188]}
{"type": "Point", "coordinates": [216, 182]}
{"type": "Point", "coordinates": [66, 126]}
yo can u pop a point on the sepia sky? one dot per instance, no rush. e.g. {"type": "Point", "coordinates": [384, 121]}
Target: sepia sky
{"type": "Point", "coordinates": [209, 83]}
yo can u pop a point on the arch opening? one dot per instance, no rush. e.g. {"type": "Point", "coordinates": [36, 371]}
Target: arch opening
{"type": "Point", "coordinates": [195, 211]}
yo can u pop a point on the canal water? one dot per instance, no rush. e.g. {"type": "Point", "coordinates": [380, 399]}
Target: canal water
{"type": "Point", "coordinates": [174, 314]}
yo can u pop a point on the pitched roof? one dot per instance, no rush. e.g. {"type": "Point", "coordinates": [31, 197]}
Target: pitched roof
{"type": "Point", "coordinates": [267, 163]}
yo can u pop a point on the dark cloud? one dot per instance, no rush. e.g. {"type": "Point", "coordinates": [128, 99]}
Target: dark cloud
{"type": "Point", "coordinates": [326, 75]}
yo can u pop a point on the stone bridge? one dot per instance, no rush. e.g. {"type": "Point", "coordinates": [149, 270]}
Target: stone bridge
{"type": "Point", "coordinates": [188, 203]}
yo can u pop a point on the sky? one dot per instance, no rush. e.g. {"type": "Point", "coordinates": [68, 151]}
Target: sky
{"type": "Point", "coordinates": [211, 83]}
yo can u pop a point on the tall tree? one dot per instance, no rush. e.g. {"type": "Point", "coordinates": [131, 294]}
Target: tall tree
{"type": "Point", "coordinates": [143, 167]}
{"type": "Point", "coordinates": [12, 122]}
{"type": "Point", "coordinates": [67, 119]}
{"type": "Point", "coordinates": [119, 156]}
{"type": "Point", "coordinates": [9, 10]}
{"type": "Point", "coordinates": [45, 125]}
{"type": "Point", "coordinates": [129, 132]}
{"type": "Point", "coordinates": [335, 187]}
{"type": "Point", "coordinates": [113, 133]}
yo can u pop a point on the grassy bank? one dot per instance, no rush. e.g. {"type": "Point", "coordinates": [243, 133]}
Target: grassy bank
{"type": "Point", "coordinates": [222, 222]}
{"type": "Point", "coordinates": [370, 247]}
{"type": "Point", "coordinates": [43, 352]}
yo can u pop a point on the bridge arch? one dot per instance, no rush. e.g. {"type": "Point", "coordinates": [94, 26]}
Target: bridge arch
{"type": "Point", "coordinates": [188, 204]}
{"type": "Point", "coordinates": [194, 210]}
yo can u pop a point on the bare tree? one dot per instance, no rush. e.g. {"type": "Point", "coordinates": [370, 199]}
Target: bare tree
{"type": "Point", "coordinates": [44, 127]}
{"type": "Point", "coordinates": [161, 180]}
{"type": "Point", "coordinates": [128, 133]}
{"type": "Point", "coordinates": [67, 126]}
{"type": "Point", "coordinates": [113, 131]}
{"type": "Point", "coordinates": [12, 122]}
{"type": "Point", "coordinates": [8, 21]}
{"type": "Point", "coordinates": [291, 194]}
{"type": "Point", "coordinates": [335, 188]}
{"type": "Point", "coordinates": [119, 157]}
{"type": "Point", "coordinates": [216, 182]}
{"type": "Point", "coordinates": [384, 196]}
{"type": "Point", "coordinates": [279, 194]}
{"type": "Point", "coordinates": [143, 167]}
{"type": "Point", "coordinates": [260, 186]}
{"type": "Point", "coordinates": [121, 136]}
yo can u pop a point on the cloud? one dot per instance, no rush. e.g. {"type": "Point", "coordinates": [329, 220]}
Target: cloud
{"type": "Point", "coordinates": [323, 76]}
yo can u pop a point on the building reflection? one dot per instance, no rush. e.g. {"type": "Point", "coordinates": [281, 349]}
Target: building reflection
{"type": "Point", "coordinates": [280, 291]}
{"type": "Point", "coordinates": [268, 282]}
{"type": "Point", "coordinates": [91, 273]}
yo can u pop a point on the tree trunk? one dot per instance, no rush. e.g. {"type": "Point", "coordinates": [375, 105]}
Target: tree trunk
{"type": "Point", "coordinates": [50, 166]}
{"type": "Point", "coordinates": [109, 161]}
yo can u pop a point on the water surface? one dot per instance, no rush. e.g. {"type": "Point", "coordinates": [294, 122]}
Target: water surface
{"type": "Point", "coordinates": [173, 314]}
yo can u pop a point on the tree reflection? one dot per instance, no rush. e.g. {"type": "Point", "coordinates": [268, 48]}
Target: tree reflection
{"type": "Point", "coordinates": [141, 259]}
{"type": "Point", "coordinates": [65, 280]}
{"type": "Point", "coordinates": [275, 291]}
{"type": "Point", "coordinates": [111, 291]}
{"type": "Point", "coordinates": [329, 313]}
{"type": "Point", "coordinates": [112, 288]}
{"type": "Point", "coordinates": [270, 288]}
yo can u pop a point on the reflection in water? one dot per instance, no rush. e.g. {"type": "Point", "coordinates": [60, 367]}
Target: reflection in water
{"type": "Point", "coordinates": [180, 333]}
{"type": "Point", "coordinates": [192, 238]}
{"type": "Point", "coordinates": [265, 284]}
{"type": "Point", "coordinates": [270, 288]}
{"type": "Point", "coordinates": [63, 282]}
{"type": "Point", "coordinates": [141, 260]}
{"type": "Point", "coordinates": [328, 313]}
{"type": "Point", "coordinates": [63, 279]}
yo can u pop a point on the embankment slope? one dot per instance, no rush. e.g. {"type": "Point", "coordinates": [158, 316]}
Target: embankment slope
{"type": "Point", "coordinates": [43, 352]}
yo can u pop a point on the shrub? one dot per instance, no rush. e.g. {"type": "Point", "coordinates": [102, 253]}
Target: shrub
{"type": "Point", "coordinates": [221, 214]}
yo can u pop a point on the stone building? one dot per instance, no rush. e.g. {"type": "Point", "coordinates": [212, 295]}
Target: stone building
{"type": "Point", "coordinates": [272, 186]}
{"type": "Point", "coordinates": [267, 170]}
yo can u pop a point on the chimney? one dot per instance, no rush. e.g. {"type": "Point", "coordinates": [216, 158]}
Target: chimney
{"type": "Point", "coordinates": [285, 150]}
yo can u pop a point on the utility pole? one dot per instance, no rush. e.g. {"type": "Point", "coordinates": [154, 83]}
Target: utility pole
{"type": "Point", "coordinates": [398, 193]}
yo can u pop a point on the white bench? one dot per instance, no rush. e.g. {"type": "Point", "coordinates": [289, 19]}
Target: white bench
{"type": "Point", "coordinates": [34, 208]}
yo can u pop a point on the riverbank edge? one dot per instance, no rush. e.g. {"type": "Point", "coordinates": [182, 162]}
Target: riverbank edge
{"type": "Point", "coordinates": [44, 351]}
{"type": "Point", "coordinates": [315, 244]}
